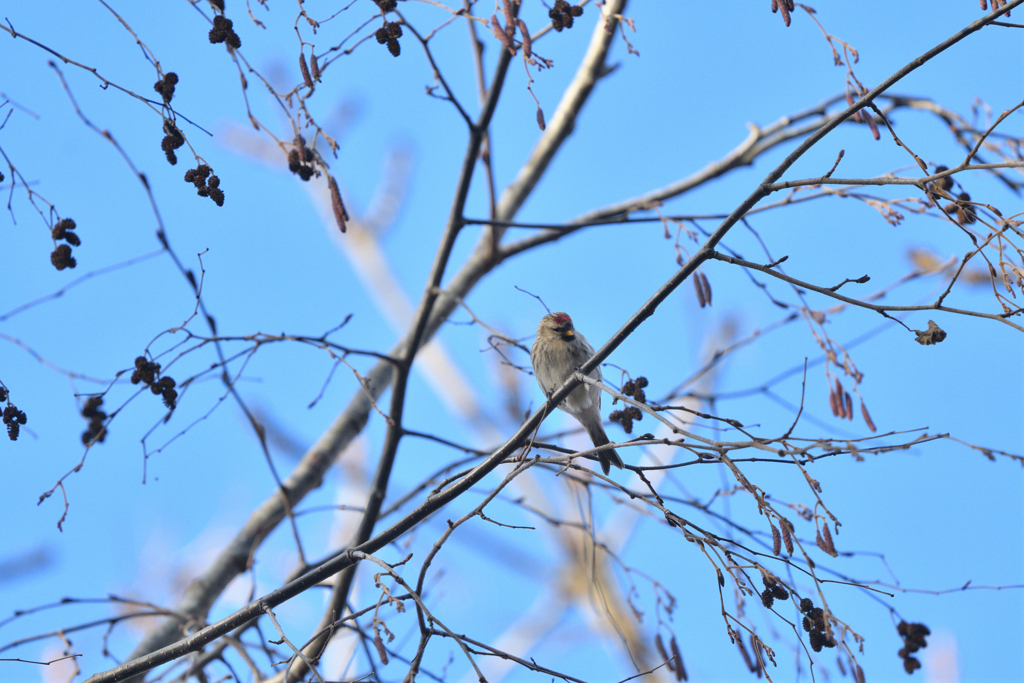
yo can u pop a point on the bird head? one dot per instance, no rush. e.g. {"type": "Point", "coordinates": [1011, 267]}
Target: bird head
{"type": "Point", "coordinates": [559, 324]}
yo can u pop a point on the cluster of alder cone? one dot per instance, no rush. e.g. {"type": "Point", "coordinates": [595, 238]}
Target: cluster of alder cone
{"type": "Point", "coordinates": [814, 624]}
{"type": "Point", "coordinates": [207, 185]}
{"type": "Point", "coordinates": [13, 418]}
{"type": "Point", "coordinates": [389, 33]}
{"type": "Point", "coordinates": [148, 373]}
{"type": "Point", "coordinates": [913, 640]}
{"type": "Point", "coordinates": [96, 432]}
{"type": "Point", "coordinates": [61, 257]}
{"type": "Point", "coordinates": [961, 208]}
{"type": "Point", "coordinates": [223, 32]}
{"type": "Point", "coordinates": [173, 139]}
{"type": "Point", "coordinates": [300, 159]}
{"type": "Point", "coordinates": [561, 15]}
{"type": "Point", "coordinates": [629, 414]}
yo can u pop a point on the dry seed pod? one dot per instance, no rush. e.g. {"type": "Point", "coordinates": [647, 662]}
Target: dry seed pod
{"type": "Point", "coordinates": [382, 652]}
{"type": "Point", "coordinates": [825, 541]}
{"type": "Point", "coordinates": [500, 34]}
{"type": "Point", "coordinates": [340, 215]}
{"type": "Point", "coordinates": [933, 335]}
{"type": "Point", "coordinates": [776, 541]}
{"type": "Point", "coordinates": [746, 657]}
{"type": "Point", "coordinates": [527, 42]}
{"type": "Point", "coordinates": [964, 211]}
{"type": "Point", "coordinates": [867, 416]}
{"type": "Point", "coordinates": [873, 126]}
{"type": "Point", "coordinates": [661, 648]}
{"type": "Point", "coordinates": [314, 67]}
{"type": "Point", "coordinates": [785, 6]}
{"type": "Point", "coordinates": [305, 70]}
{"type": "Point", "coordinates": [510, 19]}
{"type": "Point", "coordinates": [830, 546]}
{"type": "Point", "coordinates": [840, 404]}
{"type": "Point", "coordinates": [680, 670]}
{"type": "Point", "coordinates": [704, 285]}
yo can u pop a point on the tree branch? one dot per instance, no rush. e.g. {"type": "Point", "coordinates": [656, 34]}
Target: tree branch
{"type": "Point", "coordinates": [829, 292]}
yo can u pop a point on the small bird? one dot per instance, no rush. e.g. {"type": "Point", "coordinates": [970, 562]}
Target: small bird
{"type": "Point", "coordinates": [559, 351]}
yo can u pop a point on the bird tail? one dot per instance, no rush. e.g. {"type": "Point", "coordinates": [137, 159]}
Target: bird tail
{"type": "Point", "coordinates": [607, 457]}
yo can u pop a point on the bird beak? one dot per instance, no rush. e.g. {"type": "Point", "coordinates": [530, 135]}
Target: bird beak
{"type": "Point", "coordinates": [569, 333]}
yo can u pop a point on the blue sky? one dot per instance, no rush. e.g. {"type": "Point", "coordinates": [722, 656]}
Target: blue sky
{"type": "Point", "coordinates": [936, 516]}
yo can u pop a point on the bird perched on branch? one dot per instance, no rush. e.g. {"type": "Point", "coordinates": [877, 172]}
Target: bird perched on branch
{"type": "Point", "coordinates": [559, 351]}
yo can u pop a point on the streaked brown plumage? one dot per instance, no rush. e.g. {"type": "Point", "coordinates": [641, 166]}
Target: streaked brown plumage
{"type": "Point", "coordinates": [557, 352]}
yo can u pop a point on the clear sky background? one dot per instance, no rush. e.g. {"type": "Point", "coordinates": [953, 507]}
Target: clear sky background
{"type": "Point", "coordinates": [931, 518]}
